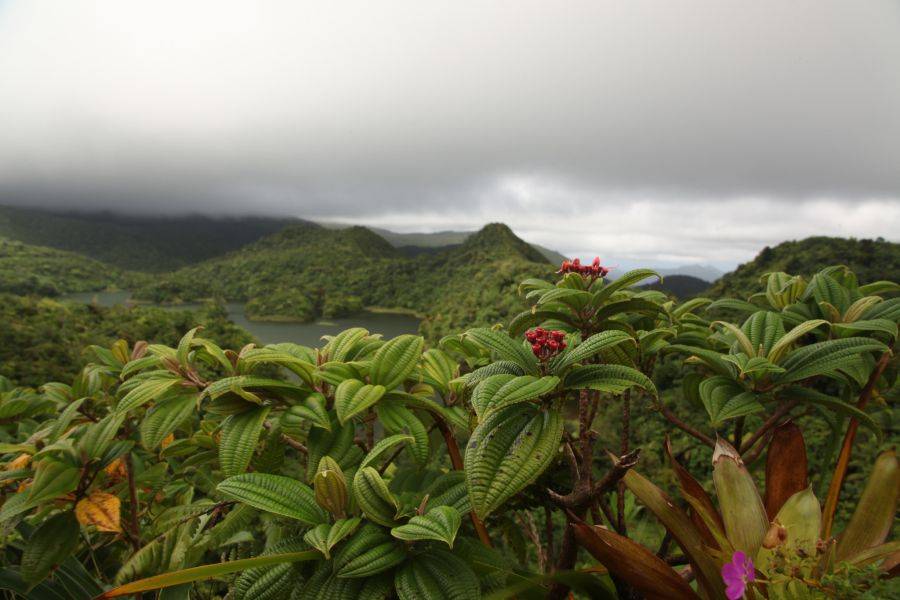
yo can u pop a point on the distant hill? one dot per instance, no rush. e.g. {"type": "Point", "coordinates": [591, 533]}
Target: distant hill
{"type": "Point", "coordinates": [40, 271]}
{"type": "Point", "coordinates": [152, 244]}
{"type": "Point", "coordinates": [871, 260]}
{"type": "Point", "coordinates": [414, 244]}
{"type": "Point", "coordinates": [305, 271]}
{"type": "Point", "coordinates": [707, 273]}
{"type": "Point", "coordinates": [680, 286]}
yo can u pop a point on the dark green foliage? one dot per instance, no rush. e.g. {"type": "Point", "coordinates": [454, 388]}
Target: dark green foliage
{"type": "Point", "coordinates": [35, 270]}
{"type": "Point", "coordinates": [140, 243]}
{"type": "Point", "coordinates": [42, 339]}
{"type": "Point", "coordinates": [871, 260]}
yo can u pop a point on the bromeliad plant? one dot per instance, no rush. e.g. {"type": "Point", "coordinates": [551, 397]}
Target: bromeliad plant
{"type": "Point", "coordinates": [381, 469]}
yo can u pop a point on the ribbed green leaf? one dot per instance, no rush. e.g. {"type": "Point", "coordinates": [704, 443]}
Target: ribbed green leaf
{"type": "Point", "coordinates": [532, 318]}
{"type": "Point", "coordinates": [146, 391]}
{"type": "Point", "coordinates": [383, 446]}
{"type": "Point", "coordinates": [590, 347]}
{"type": "Point", "coordinates": [326, 536]}
{"type": "Point", "coordinates": [240, 434]}
{"type": "Point", "coordinates": [49, 545]}
{"type": "Point", "coordinates": [438, 368]}
{"type": "Point", "coordinates": [52, 479]}
{"type": "Point", "coordinates": [613, 379]}
{"type": "Point", "coordinates": [396, 360]}
{"type": "Point", "coordinates": [743, 342]}
{"type": "Point", "coordinates": [632, 305]}
{"type": "Point", "coordinates": [275, 494]}
{"type": "Point", "coordinates": [275, 355]}
{"type": "Point", "coordinates": [341, 347]}
{"type": "Point", "coordinates": [397, 419]}
{"type": "Point", "coordinates": [353, 397]}
{"type": "Point", "coordinates": [337, 443]}
{"type": "Point", "coordinates": [370, 551]}
{"type": "Point", "coordinates": [500, 391]}
{"type": "Point", "coordinates": [440, 523]}
{"type": "Point", "coordinates": [164, 418]}
{"type": "Point", "coordinates": [628, 279]}
{"type": "Point", "coordinates": [206, 572]}
{"type": "Point", "coordinates": [733, 304]}
{"type": "Point", "coordinates": [506, 348]}
{"type": "Point", "coordinates": [782, 346]}
{"type": "Point", "coordinates": [837, 405]}
{"type": "Point", "coordinates": [313, 410]}
{"type": "Point", "coordinates": [98, 436]}
{"type": "Point", "coordinates": [436, 575]}
{"type": "Point", "coordinates": [726, 399]}
{"type": "Point", "coordinates": [824, 357]}
{"type": "Point", "coordinates": [250, 383]}
{"type": "Point", "coordinates": [876, 325]}
{"type": "Point", "coordinates": [374, 498]}
{"type": "Point", "coordinates": [508, 451]}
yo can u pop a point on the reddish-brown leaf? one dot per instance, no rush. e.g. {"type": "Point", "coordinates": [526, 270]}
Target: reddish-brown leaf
{"type": "Point", "coordinates": [633, 563]}
{"type": "Point", "coordinates": [787, 469]}
{"type": "Point", "coordinates": [700, 501]}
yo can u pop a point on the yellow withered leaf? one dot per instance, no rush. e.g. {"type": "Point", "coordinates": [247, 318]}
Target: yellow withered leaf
{"type": "Point", "coordinates": [101, 510]}
{"type": "Point", "coordinates": [168, 440]}
{"type": "Point", "coordinates": [20, 462]}
{"type": "Point", "coordinates": [116, 469]}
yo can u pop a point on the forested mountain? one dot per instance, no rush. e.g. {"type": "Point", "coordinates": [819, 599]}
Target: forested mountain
{"type": "Point", "coordinates": [305, 271]}
{"type": "Point", "coordinates": [27, 269]}
{"type": "Point", "coordinates": [153, 244]}
{"type": "Point", "coordinates": [871, 260]}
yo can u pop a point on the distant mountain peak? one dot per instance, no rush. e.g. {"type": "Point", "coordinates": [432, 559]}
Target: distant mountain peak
{"type": "Point", "coordinates": [498, 239]}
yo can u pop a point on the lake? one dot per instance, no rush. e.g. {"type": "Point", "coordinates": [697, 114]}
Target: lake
{"type": "Point", "coordinates": [308, 334]}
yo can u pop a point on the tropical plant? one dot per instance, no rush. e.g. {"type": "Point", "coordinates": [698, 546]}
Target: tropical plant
{"type": "Point", "coordinates": [377, 469]}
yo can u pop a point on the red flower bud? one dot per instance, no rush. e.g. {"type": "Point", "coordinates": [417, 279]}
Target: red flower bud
{"type": "Point", "coordinates": [553, 344]}
{"type": "Point", "coordinates": [536, 348]}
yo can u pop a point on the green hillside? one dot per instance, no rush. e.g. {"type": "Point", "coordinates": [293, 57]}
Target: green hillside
{"type": "Point", "coordinates": [36, 270]}
{"type": "Point", "coordinates": [153, 244]}
{"type": "Point", "coordinates": [43, 339]}
{"type": "Point", "coordinates": [305, 271]}
{"type": "Point", "coordinates": [871, 260]}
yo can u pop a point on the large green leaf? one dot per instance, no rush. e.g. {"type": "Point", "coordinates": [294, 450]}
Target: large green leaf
{"type": "Point", "coordinates": [508, 451]}
{"type": "Point", "coordinates": [164, 418]}
{"type": "Point", "coordinates": [146, 391]}
{"type": "Point", "coordinates": [240, 434]}
{"type": "Point", "coordinates": [436, 575]}
{"type": "Point", "coordinates": [275, 494]}
{"type": "Point", "coordinates": [374, 498]}
{"type": "Point", "coordinates": [824, 358]}
{"type": "Point", "coordinates": [49, 545]}
{"type": "Point", "coordinates": [726, 399]}
{"type": "Point", "coordinates": [207, 572]}
{"type": "Point", "coordinates": [440, 523]}
{"type": "Point", "coordinates": [590, 347]}
{"type": "Point", "coordinates": [613, 379]}
{"type": "Point", "coordinates": [326, 536]}
{"type": "Point", "coordinates": [628, 279]}
{"type": "Point", "coordinates": [505, 347]}
{"type": "Point", "coordinates": [370, 551]}
{"type": "Point", "coordinates": [783, 345]}
{"type": "Point", "coordinates": [353, 397]}
{"type": "Point", "coordinates": [52, 479]}
{"type": "Point", "coordinates": [500, 391]}
{"type": "Point", "coordinates": [396, 360]}
{"type": "Point", "coordinates": [397, 419]}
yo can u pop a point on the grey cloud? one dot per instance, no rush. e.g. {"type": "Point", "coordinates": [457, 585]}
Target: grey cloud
{"type": "Point", "coordinates": [358, 110]}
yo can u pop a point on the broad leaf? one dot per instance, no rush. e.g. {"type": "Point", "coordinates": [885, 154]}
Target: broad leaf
{"type": "Point", "coordinates": [240, 434]}
{"type": "Point", "coordinates": [353, 397]}
{"type": "Point", "coordinates": [275, 494]}
{"type": "Point", "coordinates": [440, 523]}
{"type": "Point", "coordinates": [396, 360]}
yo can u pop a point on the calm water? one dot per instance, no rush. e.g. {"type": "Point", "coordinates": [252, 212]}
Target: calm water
{"type": "Point", "coordinates": [308, 334]}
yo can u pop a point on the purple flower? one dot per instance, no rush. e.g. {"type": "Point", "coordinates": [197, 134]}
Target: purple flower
{"type": "Point", "coordinates": [737, 574]}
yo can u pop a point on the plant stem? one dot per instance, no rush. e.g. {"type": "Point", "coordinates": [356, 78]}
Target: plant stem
{"type": "Point", "coordinates": [457, 462]}
{"type": "Point", "coordinates": [771, 422]}
{"type": "Point", "coordinates": [691, 431]}
{"type": "Point", "coordinates": [134, 525]}
{"type": "Point", "coordinates": [840, 470]}
{"type": "Point", "coordinates": [623, 450]}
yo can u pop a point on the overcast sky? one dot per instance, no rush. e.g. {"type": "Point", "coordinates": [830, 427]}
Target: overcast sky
{"type": "Point", "coordinates": [658, 132]}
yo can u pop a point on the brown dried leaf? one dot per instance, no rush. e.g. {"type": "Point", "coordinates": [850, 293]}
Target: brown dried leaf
{"type": "Point", "coordinates": [101, 510]}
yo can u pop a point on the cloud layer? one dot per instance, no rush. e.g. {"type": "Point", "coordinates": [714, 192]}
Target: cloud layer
{"type": "Point", "coordinates": [657, 131]}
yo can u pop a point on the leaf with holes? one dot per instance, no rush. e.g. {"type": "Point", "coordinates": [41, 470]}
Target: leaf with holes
{"type": "Point", "coordinates": [508, 451]}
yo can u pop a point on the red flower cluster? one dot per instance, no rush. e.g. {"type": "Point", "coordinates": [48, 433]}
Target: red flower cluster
{"type": "Point", "coordinates": [546, 344]}
{"type": "Point", "coordinates": [594, 270]}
